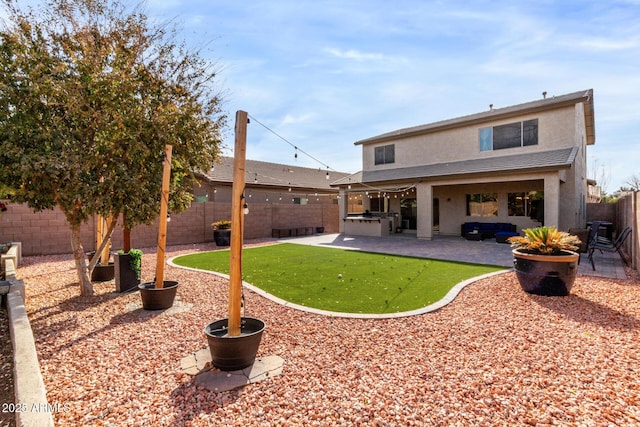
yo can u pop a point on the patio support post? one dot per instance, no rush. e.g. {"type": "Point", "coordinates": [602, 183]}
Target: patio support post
{"type": "Point", "coordinates": [424, 205]}
{"type": "Point", "coordinates": [343, 208]}
{"type": "Point", "coordinates": [552, 201]}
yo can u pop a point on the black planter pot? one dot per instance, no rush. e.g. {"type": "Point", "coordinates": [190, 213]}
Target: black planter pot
{"type": "Point", "coordinates": [234, 353]}
{"type": "Point", "coordinates": [158, 299]}
{"type": "Point", "coordinates": [126, 278]}
{"type": "Point", "coordinates": [319, 230]}
{"type": "Point", "coordinates": [549, 275]}
{"type": "Point", "coordinates": [222, 237]}
{"type": "Point", "coordinates": [102, 273]}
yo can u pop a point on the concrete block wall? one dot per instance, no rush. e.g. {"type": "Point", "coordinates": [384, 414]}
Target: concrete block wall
{"type": "Point", "coordinates": [47, 232]}
{"type": "Point", "coordinates": [601, 212]}
{"type": "Point", "coordinates": [44, 232]}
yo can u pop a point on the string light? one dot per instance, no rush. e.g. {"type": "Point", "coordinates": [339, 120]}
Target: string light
{"type": "Point", "coordinates": [291, 144]}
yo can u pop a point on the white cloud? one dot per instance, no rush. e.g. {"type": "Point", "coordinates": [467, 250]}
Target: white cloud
{"type": "Point", "coordinates": [355, 55]}
{"type": "Point", "coordinates": [292, 119]}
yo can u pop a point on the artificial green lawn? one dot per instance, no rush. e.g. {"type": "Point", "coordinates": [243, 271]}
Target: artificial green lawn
{"type": "Point", "coordinates": [342, 280]}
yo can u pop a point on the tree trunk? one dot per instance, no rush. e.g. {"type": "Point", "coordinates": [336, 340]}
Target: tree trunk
{"type": "Point", "coordinates": [86, 288]}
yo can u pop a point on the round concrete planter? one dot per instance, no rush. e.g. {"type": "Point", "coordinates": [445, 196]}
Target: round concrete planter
{"type": "Point", "coordinates": [238, 352]}
{"type": "Point", "coordinates": [549, 275]}
{"type": "Point", "coordinates": [160, 298]}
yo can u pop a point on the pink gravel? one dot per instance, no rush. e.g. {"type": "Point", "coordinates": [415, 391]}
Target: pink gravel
{"type": "Point", "coordinates": [494, 357]}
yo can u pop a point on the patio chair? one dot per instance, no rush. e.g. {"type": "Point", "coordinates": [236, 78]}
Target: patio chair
{"type": "Point", "coordinates": [612, 247]}
{"type": "Point", "coordinates": [592, 239]}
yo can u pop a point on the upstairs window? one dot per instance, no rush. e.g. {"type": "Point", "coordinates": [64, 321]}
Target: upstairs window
{"type": "Point", "coordinates": [519, 134]}
{"type": "Point", "coordinates": [385, 154]}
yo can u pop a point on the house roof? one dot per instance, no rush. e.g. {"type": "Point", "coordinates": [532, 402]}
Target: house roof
{"type": "Point", "coordinates": [584, 96]}
{"type": "Point", "coordinates": [553, 159]}
{"type": "Point", "coordinates": [264, 174]}
{"type": "Point", "coordinates": [349, 179]}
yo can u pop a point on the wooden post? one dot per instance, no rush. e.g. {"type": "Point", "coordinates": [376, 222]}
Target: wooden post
{"type": "Point", "coordinates": [164, 208]}
{"type": "Point", "coordinates": [237, 223]}
{"type": "Point", "coordinates": [99, 226]}
{"type": "Point", "coordinates": [126, 235]}
{"type": "Point", "coordinates": [104, 256]}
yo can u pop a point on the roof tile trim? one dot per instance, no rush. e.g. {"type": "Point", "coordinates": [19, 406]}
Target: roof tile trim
{"type": "Point", "coordinates": [562, 158]}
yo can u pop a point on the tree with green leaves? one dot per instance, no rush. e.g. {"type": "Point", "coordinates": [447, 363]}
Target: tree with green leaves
{"type": "Point", "coordinates": [91, 94]}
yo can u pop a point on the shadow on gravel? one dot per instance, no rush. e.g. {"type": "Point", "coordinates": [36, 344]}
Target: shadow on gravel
{"type": "Point", "coordinates": [582, 310]}
{"type": "Point", "coordinates": [191, 402]}
{"type": "Point", "coordinates": [49, 330]}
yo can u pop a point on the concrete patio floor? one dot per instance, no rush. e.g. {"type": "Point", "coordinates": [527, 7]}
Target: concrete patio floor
{"type": "Point", "coordinates": [453, 248]}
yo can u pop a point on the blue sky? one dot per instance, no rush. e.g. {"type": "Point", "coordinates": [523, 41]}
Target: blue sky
{"type": "Point", "coordinates": [324, 74]}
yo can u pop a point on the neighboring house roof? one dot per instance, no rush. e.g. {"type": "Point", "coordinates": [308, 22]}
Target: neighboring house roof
{"type": "Point", "coordinates": [264, 174]}
{"type": "Point", "coordinates": [553, 159]}
{"type": "Point", "coordinates": [584, 96]}
{"type": "Point", "coordinates": [349, 179]}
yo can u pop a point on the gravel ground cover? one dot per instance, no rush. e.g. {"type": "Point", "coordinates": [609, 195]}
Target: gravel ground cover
{"type": "Point", "coordinates": [494, 357]}
{"type": "Point", "coordinates": [7, 416]}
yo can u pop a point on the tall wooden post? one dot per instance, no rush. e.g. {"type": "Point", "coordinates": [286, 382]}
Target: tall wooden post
{"type": "Point", "coordinates": [104, 256]}
{"type": "Point", "coordinates": [99, 227]}
{"type": "Point", "coordinates": [237, 223]}
{"type": "Point", "coordinates": [126, 235]}
{"type": "Point", "coordinates": [164, 209]}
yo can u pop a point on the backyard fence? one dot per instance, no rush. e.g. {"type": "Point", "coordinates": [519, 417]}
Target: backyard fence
{"type": "Point", "coordinates": [47, 232]}
{"type": "Point", "coordinates": [628, 215]}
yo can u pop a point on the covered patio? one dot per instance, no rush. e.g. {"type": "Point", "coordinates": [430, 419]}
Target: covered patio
{"type": "Point", "coordinates": [453, 248]}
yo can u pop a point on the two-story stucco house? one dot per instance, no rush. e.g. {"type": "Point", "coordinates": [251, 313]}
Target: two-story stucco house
{"type": "Point", "coordinates": [525, 164]}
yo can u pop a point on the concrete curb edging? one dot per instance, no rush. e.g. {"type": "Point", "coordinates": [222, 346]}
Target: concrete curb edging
{"type": "Point", "coordinates": [447, 299]}
{"type": "Point", "coordinates": [32, 408]}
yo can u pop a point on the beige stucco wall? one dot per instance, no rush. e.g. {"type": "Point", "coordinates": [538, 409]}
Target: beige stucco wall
{"type": "Point", "coordinates": [555, 130]}
{"type": "Point", "coordinates": [565, 189]}
{"type": "Point", "coordinates": [453, 200]}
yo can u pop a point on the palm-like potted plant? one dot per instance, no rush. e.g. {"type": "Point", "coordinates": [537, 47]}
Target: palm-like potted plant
{"type": "Point", "coordinates": [222, 232]}
{"type": "Point", "coordinates": [545, 261]}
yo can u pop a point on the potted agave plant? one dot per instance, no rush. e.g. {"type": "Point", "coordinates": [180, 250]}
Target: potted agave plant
{"type": "Point", "coordinates": [545, 260]}
{"type": "Point", "coordinates": [222, 232]}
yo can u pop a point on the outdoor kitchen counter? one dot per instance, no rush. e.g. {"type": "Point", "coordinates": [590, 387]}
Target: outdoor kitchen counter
{"type": "Point", "coordinates": [367, 226]}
